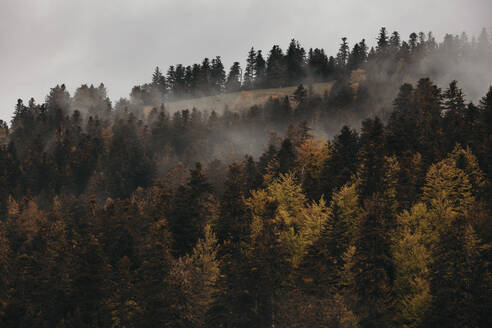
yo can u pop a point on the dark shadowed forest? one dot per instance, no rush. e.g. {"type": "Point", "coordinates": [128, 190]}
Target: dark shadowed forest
{"type": "Point", "coordinates": [366, 205]}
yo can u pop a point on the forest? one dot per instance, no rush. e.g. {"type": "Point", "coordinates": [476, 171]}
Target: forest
{"type": "Point", "coordinates": [368, 205]}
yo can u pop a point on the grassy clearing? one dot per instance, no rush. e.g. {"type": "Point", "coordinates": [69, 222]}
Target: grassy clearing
{"type": "Point", "coordinates": [238, 100]}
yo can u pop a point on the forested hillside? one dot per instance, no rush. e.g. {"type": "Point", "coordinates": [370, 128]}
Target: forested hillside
{"type": "Point", "coordinates": [366, 204]}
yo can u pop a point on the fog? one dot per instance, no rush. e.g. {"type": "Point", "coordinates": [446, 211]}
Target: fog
{"type": "Point", "coordinates": [44, 43]}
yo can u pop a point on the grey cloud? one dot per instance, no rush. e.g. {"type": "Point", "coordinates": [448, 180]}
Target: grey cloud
{"type": "Point", "coordinates": [44, 43]}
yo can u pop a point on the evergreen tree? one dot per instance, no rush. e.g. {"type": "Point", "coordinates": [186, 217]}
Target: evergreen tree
{"type": "Point", "coordinates": [232, 223]}
{"type": "Point", "coordinates": [57, 103]}
{"type": "Point", "coordinates": [428, 102]}
{"type": "Point", "coordinates": [413, 41]}
{"type": "Point", "coordinates": [343, 55]}
{"type": "Point", "coordinates": [382, 42]}
{"type": "Point", "coordinates": [179, 84]}
{"type": "Point", "coordinates": [234, 78]}
{"type": "Point", "coordinates": [318, 65]}
{"type": "Point", "coordinates": [276, 69]}
{"type": "Point", "coordinates": [402, 123]}
{"type": "Point", "coordinates": [455, 267]}
{"type": "Point", "coordinates": [286, 156]}
{"type": "Point", "coordinates": [159, 81]}
{"type": "Point", "coordinates": [204, 77]}
{"type": "Point", "coordinates": [372, 158]}
{"type": "Point", "coordinates": [322, 267]}
{"type": "Point", "coordinates": [217, 75]}
{"type": "Point", "coordinates": [171, 79]}
{"type": "Point", "coordinates": [295, 62]}
{"type": "Point", "coordinates": [394, 42]}
{"type": "Point", "coordinates": [373, 267]}
{"type": "Point", "coordinates": [260, 70]}
{"type": "Point", "coordinates": [194, 208]}
{"type": "Point", "coordinates": [250, 71]}
{"type": "Point", "coordinates": [454, 114]}
{"type": "Point", "coordinates": [341, 165]}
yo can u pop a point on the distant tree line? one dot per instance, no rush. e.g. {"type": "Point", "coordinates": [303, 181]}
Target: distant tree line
{"type": "Point", "coordinates": [390, 55]}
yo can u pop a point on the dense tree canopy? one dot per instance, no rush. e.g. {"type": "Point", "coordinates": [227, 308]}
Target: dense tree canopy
{"type": "Point", "coordinates": [366, 206]}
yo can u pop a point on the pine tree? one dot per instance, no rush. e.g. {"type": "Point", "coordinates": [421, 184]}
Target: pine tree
{"type": "Point", "coordinates": [373, 267]}
{"type": "Point", "coordinates": [232, 223]}
{"type": "Point", "coordinates": [260, 70]}
{"type": "Point", "coordinates": [217, 75]}
{"type": "Point", "coordinates": [188, 80]}
{"type": "Point", "coordinates": [429, 133]}
{"type": "Point", "coordinates": [179, 83]}
{"type": "Point", "coordinates": [486, 125]}
{"type": "Point", "coordinates": [454, 114]}
{"type": "Point", "coordinates": [394, 43]}
{"type": "Point", "coordinates": [458, 282]}
{"type": "Point", "coordinates": [372, 158]}
{"type": "Point", "coordinates": [234, 78]}
{"type": "Point", "coordinates": [204, 84]}
{"type": "Point", "coordinates": [322, 267]}
{"type": "Point", "coordinates": [319, 66]}
{"type": "Point", "coordinates": [250, 71]}
{"type": "Point", "coordinates": [343, 55]}
{"type": "Point", "coordinates": [412, 41]}
{"type": "Point", "coordinates": [402, 124]}
{"type": "Point", "coordinates": [171, 79]}
{"type": "Point", "coordinates": [194, 208]}
{"type": "Point", "coordinates": [152, 287]}
{"type": "Point", "coordinates": [193, 282]}
{"type": "Point", "coordinates": [382, 42]}
{"type": "Point", "coordinates": [295, 62]}
{"type": "Point", "coordinates": [341, 165]}
{"type": "Point", "coordinates": [276, 68]}
{"type": "Point", "coordinates": [159, 82]}
{"type": "Point", "coordinates": [270, 264]}
{"type": "Point", "coordinates": [286, 156]}
{"type": "Point", "coordinates": [411, 249]}
{"type": "Point", "coordinates": [57, 103]}
{"type": "Point", "coordinates": [486, 109]}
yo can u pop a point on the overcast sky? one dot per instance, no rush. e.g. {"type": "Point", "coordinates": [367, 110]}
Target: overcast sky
{"type": "Point", "coordinates": [49, 42]}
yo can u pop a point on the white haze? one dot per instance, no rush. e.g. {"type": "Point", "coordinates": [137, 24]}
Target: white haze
{"type": "Point", "coordinates": [48, 42]}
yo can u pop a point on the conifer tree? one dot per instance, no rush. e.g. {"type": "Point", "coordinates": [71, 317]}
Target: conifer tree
{"type": "Point", "coordinates": [343, 55]}
{"type": "Point", "coordinates": [194, 208]}
{"type": "Point", "coordinates": [204, 77]}
{"type": "Point", "coordinates": [454, 114]}
{"type": "Point", "coordinates": [455, 266]}
{"type": "Point", "coordinates": [322, 267]}
{"type": "Point", "coordinates": [232, 223]}
{"type": "Point", "coordinates": [234, 78]}
{"type": "Point", "coordinates": [250, 71]}
{"type": "Point", "coordinates": [260, 70]}
{"type": "Point", "coordinates": [373, 267]}
{"type": "Point", "coordinates": [341, 165]}
{"type": "Point", "coordinates": [276, 68]}
{"type": "Point", "coordinates": [382, 43]}
{"type": "Point", "coordinates": [372, 158]}
{"type": "Point", "coordinates": [193, 282]}
{"type": "Point", "coordinates": [295, 62]}
{"type": "Point", "coordinates": [159, 81]}
{"type": "Point", "coordinates": [217, 75]}
{"type": "Point", "coordinates": [394, 43]}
